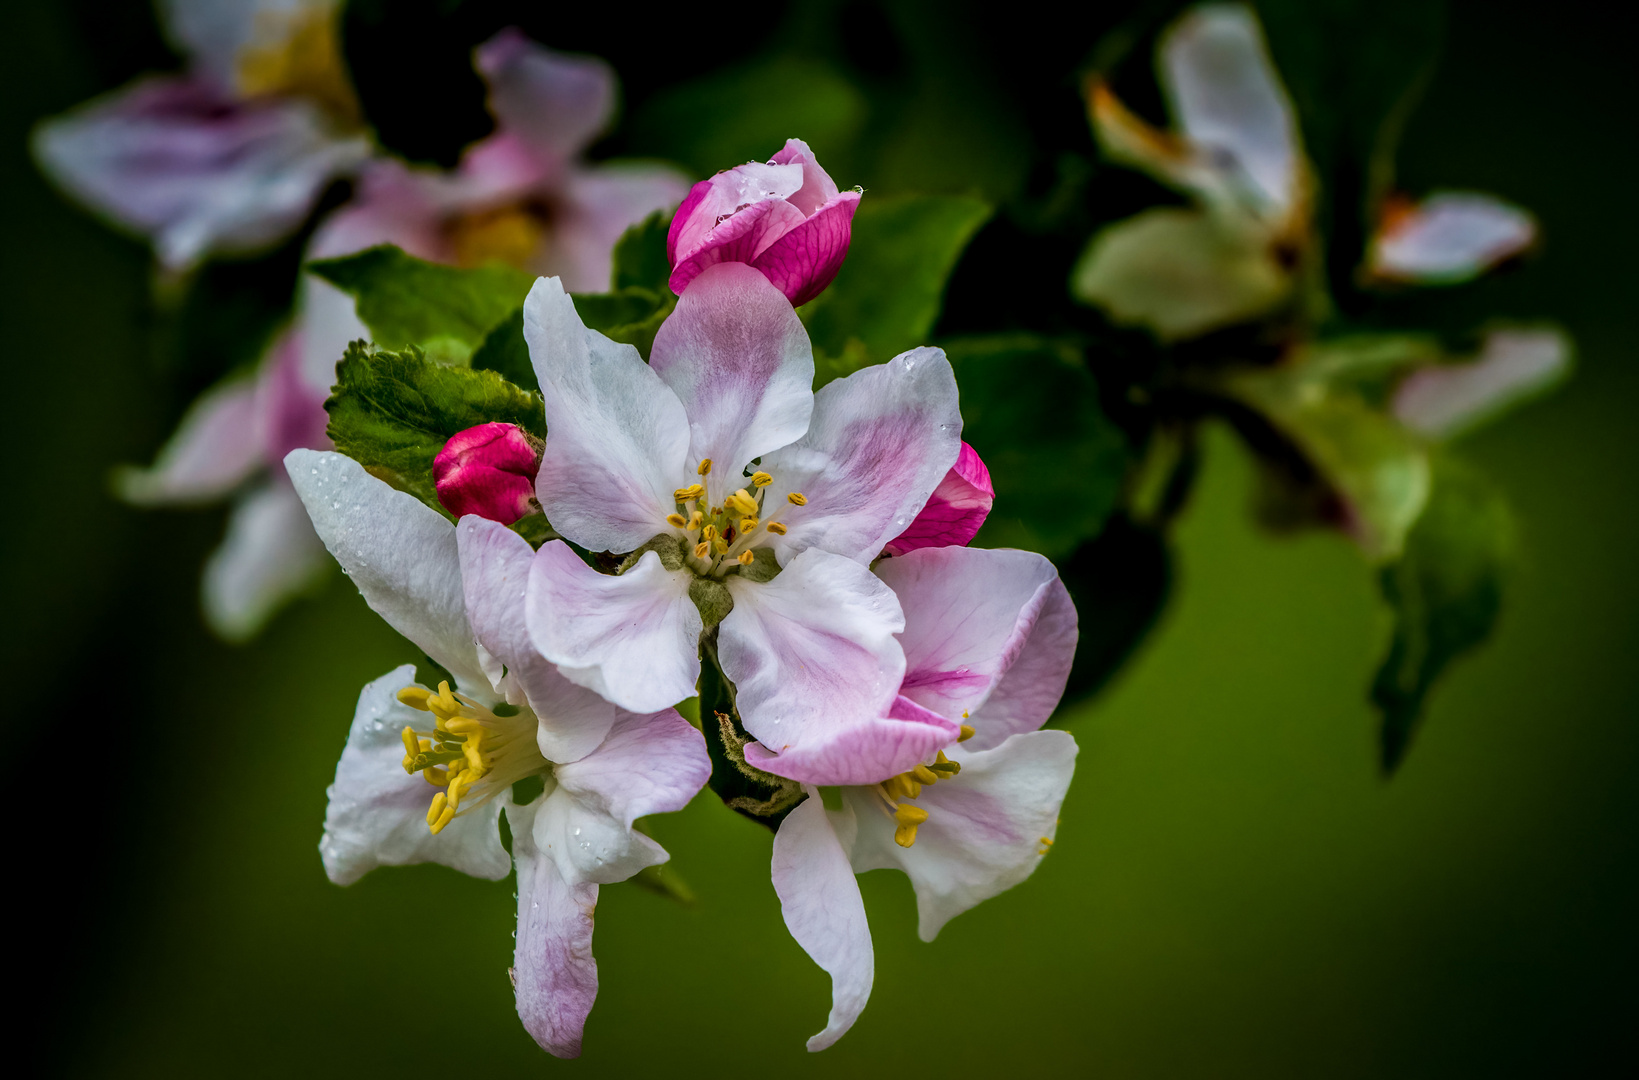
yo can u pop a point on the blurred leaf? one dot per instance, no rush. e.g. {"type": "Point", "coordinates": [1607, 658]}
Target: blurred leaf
{"type": "Point", "coordinates": [888, 294]}
{"type": "Point", "coordinates": [640, 256]}
{"type": "Point", "coordinates": [443, 310]}
{"type": "Point", "coordinates": [1446, 592]}
{"type": "Point", "coordinates": [631, 315]}
{"type": "Point", "coordinates": [392, 412]}
{"type": "Point", "coordinates": [505, 352]}
{"type": "Point", "coordinates": [1120, 581]}
{"type": "Point", "coordinates": [745, 113]}
{"type": "Point", "coordinates": [1031, 409]}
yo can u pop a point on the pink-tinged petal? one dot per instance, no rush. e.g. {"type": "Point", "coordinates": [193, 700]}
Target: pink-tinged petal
{"type": "Point", "coordinates": [377, 813]}
{"type": "Point", "coordinates": [195, 172]}
{"type": "Point", "coordinates": [648, 765]}
{"type": "Point", "coordinates": [865, 752]}
{"type": "Point", "coordinates": [740, 237]}
{"type": "Point", "coordinates": [488, 470]}
{"type": "Point", "coordinates": [634, 638]}
{"type": "Point", "coordinates": [804, 261]}
{"type": "Point", "coordinates": [495, 565]}
{"type": "Point", "coordinates": [216, 448]}
{"type": "Point", "coordinates": [269, 555]}
{"type": "Point", "coordinates": [400, 552]}
{"type": "Point", "coordinates": [1446, 400]}
{"type": "Point", "coordinates": [1228, 100]}
{"type": "Point", "coordinates": [595, 207]}
{"type": "Point", "coordinates": [553, 102]}
{"type": "Point", "coordinates": [879, 443]}
{"type": "Point", "coordinates": [618, 438]}
{"type": "Point", "coordinates": [289, 407]}
{"type": "Point", "coordinates": [555, 978]}
{"type": "Point", "coordinates": [973, 615]}
{"type": "Point", "coordinates": [817, 186]}
{"type": "Point", "coordinates": [812, 652]}
{"type": "Point", "coordinates": [591, 846]}
{"type": "Point", "coordinates": [824, 912]}
{"type": "Point", "coordinates": [713, 203]}
{"type": "Point", "coordinates": [738, 358]}
{"type": "Point", "coordinates": [955, 510]}
{"type": "Point", "coordinates": [985, 825]}
{"type": "Point", "coordinates": [1449, 238]}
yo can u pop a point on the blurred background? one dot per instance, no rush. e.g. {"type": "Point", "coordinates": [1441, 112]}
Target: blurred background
{"type": "Point", "coordinates": [1235, 891]}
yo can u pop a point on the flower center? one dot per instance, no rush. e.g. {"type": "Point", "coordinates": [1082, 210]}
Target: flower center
{"type": "Point", "coordinates": [297, 53]}
{"type": "Point", "coordinates": [474, 753]}
{"type": "Point", "coordinates": [509, 234]}
{"type": "Point", "coordinates": [719, 538]}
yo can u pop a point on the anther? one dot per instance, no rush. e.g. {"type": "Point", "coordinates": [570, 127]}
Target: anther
{"type": "Point", "coordinates": [741, 503]}
{"type": "Point", "coordinates": [925, 775]}
{"type": "Point", "coordinates": [708, 533]}
{"type": "Point", "coordinates": [761, 479]}
{"type": "Point", "coordinates": [908, 818]}
{"type": "Point", "coordinates": [677, 521]}
{"type": "Point", "coordinates": [967, 733]}
{"type": "Point", "coordinates": [702, 549]}
{"type": "Point", "coordinates": [693, 491]}
{"type": "Point", "coordinates": [776, 528]}
{"type": "Point", "coordinates": [747, 524]}
{"type": "Point", "coordinates": [720, 546]}
{"type": "Point", "coordinates": [797, 498]}
{"type": "Point", "coordinates": [449, 815]}
{"type": "Point", "coordinates": [1047, 840]}
{"type": "Point", "coordinates": [694, 520]}
{"type": "Point", "coordinates": [436, 810]}
{"type": "Point", "coordinates": [415, 697]}
{"type": "Point", "coordinates": [747, 558]}
{"type": "Point", "coordinates": [411, 747]}
{"type": "Point", "coordinates": [705, 467]}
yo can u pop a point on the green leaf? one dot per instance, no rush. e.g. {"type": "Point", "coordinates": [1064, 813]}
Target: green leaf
{"type": "Point", "coordinates": [1031, 409]}
{"type": "Point", "coordinates": [392, 412]}
{"type": "Point", "coordinates": [892, 285]}
{"type": "Point", "coordinates": [1120, 581]}
{"type": "Point", "coordinates": [505, 352]}
{"type": "Point", "coordinates": [632, 315]}
{"type": "Point", "coordinates": [445, 311]}
{"type": "Point", "coordinates": [1446, 592]}
{"type": "Point", "coordinates": [640, 256]}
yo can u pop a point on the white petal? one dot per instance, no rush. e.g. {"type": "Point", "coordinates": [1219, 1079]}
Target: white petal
{"type": "Point", "coordinates": [975, 618]}
{"type": "Point", "coordinates": [984, 829]}
{"type": "Point", "coordinates": [589, 845]}
{"type": "Point", "coordinates": [377, 814]}
{"type": "Point", "coordinates": [270, 554]}
{"type": "Point", "coordinates": [812, 652]}
{"type": "Point", "coordinates": [1445, 400]}
{"type": "Point", "coordinates": [1180, 272]}
{"type": "Point", "coordinates": [648, 765]}
{"type": "Point", "coordinates": [634, 638]}
{"type": "Point", "coordinates": [824, 912]}
{"type": "Point", "coordinates": [1228, 99]}
{"type": "Point", "coordinates": [1450, 238]}
{"type": "Point", "coordinates": [738, 358]}
{"type": "Point", "coordinates": [218, 445]}
{"type": "Point", "coordinates": [400, 553]}
{"type": "Point", "coordinates": [555, 978]}
{"type": "Point", "coordinates": [618, 438]}
{"type": "Point", "coordinates": [495, 563]}
{"type": "Point", "coordinates": [880, 441]}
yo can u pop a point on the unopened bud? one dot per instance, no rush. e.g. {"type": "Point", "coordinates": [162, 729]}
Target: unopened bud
{"type": "Point", "coordinates": [488, 470]}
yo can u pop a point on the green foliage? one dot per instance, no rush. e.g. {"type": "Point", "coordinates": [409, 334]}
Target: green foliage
{"type": "Point", "coordinates": [1120, 581]}
{"type": "Point", "coordinates": [1446, 592]}
{"type": "Point", "coordinates": [640, 256]}
{"type": "Point", "coordinates": [445, 311]}
{"type": "Point", "coordinates": [759, 796]}
{"type": "Point", "coordinates": [392, 412]}
{"type": "Point", "coordinates": [891, 287]}
{"type": "Point", "coordinates": [1031, 409]}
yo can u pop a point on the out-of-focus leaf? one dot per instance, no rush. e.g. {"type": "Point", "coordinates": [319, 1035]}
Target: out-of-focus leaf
{"type": "Point", "coordinates": [443, 310]}
{"type": "Point", "coordinates": [632, 315]}
{"type": "Point", "coordinates": [392, 412]}
{"type": "Point", "coordinates": [662, 880]}
{"type": "Point", "coordinates": [745, 113]}
{"type": "Point", "coordinates": [1031, 409]}
{"type": "Point", "coordinates": [640, 256]}
{"type": "Point", "coordinates": [505, 352]}
{"type": "Point", "coordinates": [1446, 592]}
{"type": "Point", "coordinates": [1120, 581]}
{"type": "Point", "coordinates": [888, 294]}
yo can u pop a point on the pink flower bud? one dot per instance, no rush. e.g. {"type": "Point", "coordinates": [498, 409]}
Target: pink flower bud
{"type": "Point", "coordinates": [488, 470]}
{"type": "Point", "coordinates": [955, 510]}
{"type": "Point", "coordinates": [785, 218]}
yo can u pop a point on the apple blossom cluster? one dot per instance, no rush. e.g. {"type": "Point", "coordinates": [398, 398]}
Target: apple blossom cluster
{"type": "Point", "coordinates": [788, 565]}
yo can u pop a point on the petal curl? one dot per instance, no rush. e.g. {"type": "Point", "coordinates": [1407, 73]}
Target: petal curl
{"type": "Point", "coordinates": [864, 752]}
{"type": "Point", "coordinates": [804, 261]}
{"type": "Point", "coordinates": [740, 238]}
{"type": "Point", "coordinates": [377, 813]}
{"type": "Point", "coordinates": [879, 443]}
{"type": "Point", "coordinates": [955, 511]}
{"type": "Point", "coordinates": [820, 901]}
{"type": "Point", "coordinates": [648, 765]}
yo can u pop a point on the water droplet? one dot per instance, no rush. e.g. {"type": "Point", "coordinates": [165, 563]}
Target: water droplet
{"type": "Point", "coordinates": [577, 832]}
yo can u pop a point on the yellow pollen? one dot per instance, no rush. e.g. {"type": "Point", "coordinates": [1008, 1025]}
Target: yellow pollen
{"type": "Point", "coordinates": [415, 697]}
{"type": "Point", "coordinates": [741, 503]}
{"type": "Point", "coordinates": [720, 546]}
{"type": "Point", "coordinates": [701, 550]}
{"type": "Point", "coordinates": [761, 479]}
{"type": "Point", "coordinates": [693, 491]}
{"type": "Point", "coordinates": [677, 521]}
{"type": "Point", "coordinates": [907, 819]}
{"type": "Point", "coordinates": [967, 733]}
{"type": "Point", "coordinates": [472, 749]}
{"type": "Point", "coordinates": [747, 524]}
{"type": "Point", "coordinates": [797, 498]}
{"type": "Point", "coordinates": [776, 528]}
{"type": "Point", "coordinates": [747, 558]}
{"type": "Point", "coordinates": [694, 520]}
{"type": "Point", "coordinates": [411, 746]}
{"type": "Point", "coordinates": [436, 810]}
{"type": "Point", "coordinates": [709, 533]}
{"type": "Point", "coordinates": [705, 467]}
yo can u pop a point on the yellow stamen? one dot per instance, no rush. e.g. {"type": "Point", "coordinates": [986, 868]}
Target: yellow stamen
{"type": "Point", "coordinates": [708, 533]}
{"type": "Point", "coordinates": [747, 524]}
{"type": "Point", "coordinates": [436, 777]}
{"type": "Point", "coordinates": [677, 521]}
{"type": "Point", "coordinates": [411, 747]}
{"type": "Point", "coordinates": [449, 815]}
{"type": "Point", "coordinates": [747, 558]}
{"type": "Point", "coordinates": [908, 818]}
{"type": "Point", "coordinates": [967, 733]}
{"type": "Point", "coordinates": [415, 697]}
{"type": "Point", "coordinates": [693, 491]}
{"type": "Point", "coordinates": [720, 546]}
{"type": "Point", "coordinates": [741, 503]}
{"type": "Point", "coordinates": [1048, 840]}
{"type": "Point", "coordinates": [924, 775]}
{"type": "Point", "coordinates": [436, 810]}
{"type": "Point", "coordinates": [694, 520]}
{"type": "Point", "coordinates": [702, 549]}
{"type": "Point", "coordinates": [797, 498]}
{"type": "Point", "coordinates": [776, 528]}
{"type": "Point", "coordinates": [761, 479]}
{"type": "Point", "coordinates": [705, 467]}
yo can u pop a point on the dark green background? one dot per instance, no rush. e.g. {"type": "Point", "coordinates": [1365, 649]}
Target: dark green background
{"type": "Point", "coordinates": [1235, 892]}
